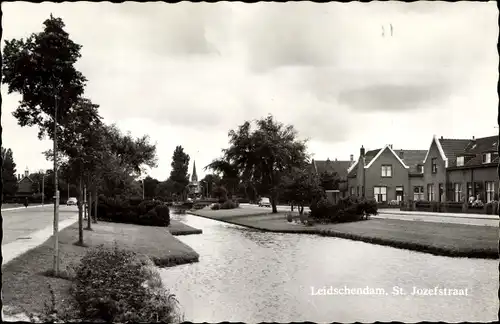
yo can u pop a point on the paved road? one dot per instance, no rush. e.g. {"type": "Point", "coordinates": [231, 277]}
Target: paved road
{"type": "Point", "coordinates": [19, 224]}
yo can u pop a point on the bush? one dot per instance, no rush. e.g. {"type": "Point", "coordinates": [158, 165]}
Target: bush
{"type": "Point", "coordinates": [215, 206]}
{"type": "Point", "coordinates": [134, 295]}
{"type": "Point", "coordinates": [346, 210]}
{"type": "Point", "coordinates": [229, 204]}
{"type": "Point", "coordinates": [133, 211]}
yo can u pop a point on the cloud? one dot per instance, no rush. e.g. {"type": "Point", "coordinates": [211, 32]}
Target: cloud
{"type": "Point", "coordinates": [187, 73]}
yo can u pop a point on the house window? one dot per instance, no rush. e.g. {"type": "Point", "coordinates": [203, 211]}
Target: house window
{"type": "Point", "coordinates": [490, 191]}
{"type": "Point", "coordinates": [460, 161]}
{"type": "Point", "coordinates": [386, 171]}
{"type": "Point", "coordinates": [487, 158]}
{"type": "Point", "coordinates": [458, 192]}
{"type": "Point", "coordinates": [380, 194]}
{"type": "Point", "coordinates": [430, 192]}
{"type": "Point", "coordinates": [434, 165]}
{"type": "Point", "coordinates": [420, 168]}
{"type": "Point", "coordinates": [357, 191]}
{"type": "Point", "coordinates": [469, 190]}
{"type": "Point", "coordinates": [418, 193]}
{"type": "Point", "coordinates": [352, 191]}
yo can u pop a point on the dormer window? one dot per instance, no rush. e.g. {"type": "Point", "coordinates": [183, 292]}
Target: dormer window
{"type": "Point", "coordinates": [460, 161]}
{"type": "Point", "coordinates": [487, 158]}
{"type": "Point", "coordinates": [420, 168]}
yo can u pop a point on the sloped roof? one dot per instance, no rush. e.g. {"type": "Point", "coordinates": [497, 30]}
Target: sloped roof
{"type": "Point", "coordinates": [369, 155]}
{"type": "Point", "coordinates": [387, 147]}
{"type": "Point", "coordinates": [335, 166]}
{"type": "Point", "coordinates": [412, 158]}
{"type": "Point", "coordinates": [481, 145]}
{"type": "Point", "coordinates": [453, 147]}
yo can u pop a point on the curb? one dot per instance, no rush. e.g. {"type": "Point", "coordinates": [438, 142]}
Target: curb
{"type": "Point", "coordinates": [470, 216]}
{"type": "Point", "coordinates": [15, 208]}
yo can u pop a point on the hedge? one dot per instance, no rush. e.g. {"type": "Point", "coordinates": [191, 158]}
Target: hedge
{"type": "Point", "coordinates": [133, 211]}
{"type": "Point", "coordinates": [346, 210]}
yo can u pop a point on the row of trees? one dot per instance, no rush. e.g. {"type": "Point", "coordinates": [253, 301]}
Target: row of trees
{"type": "Point", "coordinates": [94, 155]}
{"type": "Point", "coordinates": [270, 160]}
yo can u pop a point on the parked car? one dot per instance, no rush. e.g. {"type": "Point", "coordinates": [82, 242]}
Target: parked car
{"type": "Point", "coordinates": [72, 201]}
{"type": "Point", "coordinates": [264, 202]}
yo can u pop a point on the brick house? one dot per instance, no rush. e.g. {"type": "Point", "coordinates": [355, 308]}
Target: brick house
{"type": "Point", "coordinates": [386, 174]}
{"type": "Point", "coordinates": [473, 171]}
{"type": "Point", "coordinates": [340, 167]}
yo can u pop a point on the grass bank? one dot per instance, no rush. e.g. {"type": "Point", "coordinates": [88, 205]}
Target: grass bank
{"type": "Point", "coordinates": [454, 240]}
{"type": "Point", "coordinates": [25, 287]}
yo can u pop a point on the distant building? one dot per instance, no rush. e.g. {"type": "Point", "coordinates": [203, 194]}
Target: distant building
{"type": "Point", "coordinates": [24, 184]}
{"type": "Point", "coordinates": [340, 167]}
{"type": "Point", "coordinates": [194, 184]}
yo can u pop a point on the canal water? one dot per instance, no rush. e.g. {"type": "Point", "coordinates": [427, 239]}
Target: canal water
{"type": "Point", "coordinates": [250, 276]}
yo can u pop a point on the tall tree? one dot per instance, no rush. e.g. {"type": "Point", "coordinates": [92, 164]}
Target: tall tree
{"type": "Point", "coordinates": [228, 171]}
{"type": "Point", "coordinates": [150, 185]}
{"type": "Point", "coordinates": [179, 173]}
{"type": "Point", "coordinates": [300, 188]}
{"type": "Point", "coordinates": [41, 68]}
{"type": "Point", "coordinates": [209, 182]}
{"type": "Point", "coordinates": [263, 155]}
{"type": "Point", "coordinates": [8, 173]}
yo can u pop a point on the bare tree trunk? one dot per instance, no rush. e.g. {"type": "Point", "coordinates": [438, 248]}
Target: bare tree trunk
{"type": "Point", "coordinates": [80, 213]}
{"type": "Point", "coordinates": [89, 226]}
{"type": "Point", "coordinates": [90, 205]}
{"type": "Point", "coordinates": [95, 206]}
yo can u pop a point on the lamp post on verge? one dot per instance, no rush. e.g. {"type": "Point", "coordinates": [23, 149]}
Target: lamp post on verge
{"type": "Point", "coordinates": [56, 202]}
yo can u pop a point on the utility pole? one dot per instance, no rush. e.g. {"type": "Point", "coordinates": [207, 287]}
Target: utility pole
{"type": "Point", "coordinates": [43, 187]}
{"type": "Point", "coordinates": [142, 189]}
{"type": "Point", "coordinates": [56, 203]}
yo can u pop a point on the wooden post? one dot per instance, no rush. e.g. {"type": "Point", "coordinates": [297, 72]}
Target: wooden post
{"type": "Point", "coordinates": [80, 213]}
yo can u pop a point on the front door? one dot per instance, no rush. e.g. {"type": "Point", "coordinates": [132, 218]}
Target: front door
{"type": "Point", "coordinates": [399, 194]}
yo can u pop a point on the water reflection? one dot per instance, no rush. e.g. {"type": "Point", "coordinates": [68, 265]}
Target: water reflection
{"type": "Point", "coordinates": [251, 276]}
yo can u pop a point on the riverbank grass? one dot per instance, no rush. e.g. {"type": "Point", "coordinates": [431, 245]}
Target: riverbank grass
{"type": "Point", "coordinates": [26, 285]}
{"type": "Point", "coordinates": [454, 240]}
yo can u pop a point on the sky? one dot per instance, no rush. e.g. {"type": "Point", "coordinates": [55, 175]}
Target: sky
{"type": "Point", "coordinates": [187, 73]}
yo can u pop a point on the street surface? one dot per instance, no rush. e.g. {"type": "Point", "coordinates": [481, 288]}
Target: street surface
{"type": "Point", "coordinates": [19, 224]}
{"type": "Point", "coordinates": [465, 219]}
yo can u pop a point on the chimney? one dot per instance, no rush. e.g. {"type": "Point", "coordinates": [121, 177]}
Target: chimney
{"type": "Point", "coordinates": [441, 137]}
{"type": "Point", "coordinates": [473, 138]}
{"type": "Point", "coordinates": [352, 158]}
{"type": "Point", "coordinates": [362, 151]}
{"type": "Point", "coordinates": [401, 154]}
{"type": "Point", "coordinates": [335, 159]}
{"type": "Point", "coordinates": [18, 177]}
{"type": "Point", "coordinates": [390, 145]}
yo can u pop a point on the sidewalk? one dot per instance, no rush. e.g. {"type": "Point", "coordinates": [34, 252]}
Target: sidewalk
{"type": "Point", "coordinates": [419, 213]}
{"type": "Point", "coordinates": [22, 207]}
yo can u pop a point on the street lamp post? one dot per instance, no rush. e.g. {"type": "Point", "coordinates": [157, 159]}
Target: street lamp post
{"type": "Point", "coordinates": [56, 203]}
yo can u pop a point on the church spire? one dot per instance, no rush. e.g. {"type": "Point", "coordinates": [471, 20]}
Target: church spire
{"type": "Point", "coordinates": [194, 177]}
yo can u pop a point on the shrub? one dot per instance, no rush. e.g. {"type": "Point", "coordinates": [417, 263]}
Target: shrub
{"type": "Point", "coordinates": [134, 295]}
{"type": "Point", "coordinates": [163, 213]}
{"type": "Point", "coordinates": [346, 210]}
{"type": "Point", "coordinates": [289, 217]}
{"type": "Point", "coordinates": [215, 206]}
{"type": "Point", "coordinates": [229, 204]}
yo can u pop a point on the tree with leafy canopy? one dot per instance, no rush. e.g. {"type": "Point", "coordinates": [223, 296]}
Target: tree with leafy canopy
{"type": "Point", "coordinates": [263, 155]}
{"type": "Point", "coordinates": [209, 182]}
{"type": "Point", "coordinates": [329, 180]}
{"type": "Point", "coordinates": [41, 68]}
{"type": "Point", "coordinates": [301, 187]}
{"type": "Point", "coordinates": [9, 177]}
{"type": "Point", "coordinates": [150, 185]}
{"type": "Point", "coordinates": [228, 174]}
{"type": "Point", "coordinates": [179, 173]}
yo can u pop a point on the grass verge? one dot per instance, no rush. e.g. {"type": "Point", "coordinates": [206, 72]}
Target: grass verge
{"type": "Point", "coordinates": [453, 240]}
{"type": "Point", "coordinates": [25, 279]}
{"type": "Point", "coordinates": [179, 228]}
